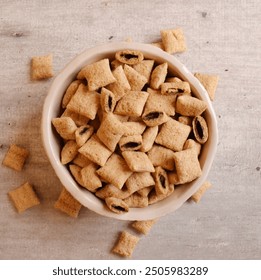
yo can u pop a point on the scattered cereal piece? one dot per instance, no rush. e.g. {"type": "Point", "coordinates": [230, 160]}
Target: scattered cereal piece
{"type": "Point", "coordinates": [42, 67]}
{"type": "Point", "coordinates": [209, 82]}
{"type": "Point", "coordinates": [68, 204]}
{"type": "Point", "coordinates": [144, 226]}
{"type": "Point", "coordinates": [15, 157]}
{"type": "Point", "coordinates": [173, 40]}
{"type": "Point", "coordinates": [24, 197]}
{"type": "Point", "coordinates": [126, 244]}
{"type": "Point", "coordinates": [200, 192]}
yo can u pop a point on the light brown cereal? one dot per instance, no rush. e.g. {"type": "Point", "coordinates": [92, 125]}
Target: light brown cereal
{"type": "Point", "coordinates": [173, 40]}
{"type": "Point", "coordinates": [144, 227]}
{"type": "Point", "coordinates": [82, 134]}
{"type": "Point", "coordinates": [153, 197]}
{"type": "Point", "coordinates": [90, 179]}
{"type": "Point", "coordinates": [130, 143]}
{"type": "Point", "coordinates": [144, 68]}
{"type": "Point", "coordinates": [15, 157]}
{"type": "Point", "coordinates": [136, 201]}
{"type": "Point", "coordinates": [72, 88]}
{"type": "Point", "coordinates": [200, 129]}
{"type": "Point", "coordinates": [185, 120]}
{"type": "Point", "coordinates": [65, 127]}
{"type": "Point", "coordinates": [24, 197]}
{"type": "Point", "coordinates": [138, 161]}
{"type": "Point", "coordinates": [68, 204]}
{"type": "Point", "coordinates": [145, 191]}
{"type": "Point", "coordinates": [130, 57]}
{"type": "Point", "coordinates": [158, 45]}
{"type": "Point", "coordinates": [173, 178]}
{"type": "Point", "coordinates": [42, 67]}
{"type": "Point", "coordinates": [138, 181]}
{"type": "Point", "coordinates": [136, 80]}
{"type": "Point", "coordinates": [190, 106]}
{"type": "Point", "coordinates": [161, 156]}
{"type": "Point", "coordinates": [148, 138]}
{"type": "Point", "coordinates": [108, 100]}
{"type": "Point", "coordinates": [95, 150]}
{"type": "Point", "coordinates": [132, 103]}
{"type": "Point", "coordinates": [173, 135]}
{"type": "Point", "coordinates": [78, 119]}
{"type": "Point", "coordinates": [97, 74]}
{"type": "Point", "coordinates": [192, 144]}
{"type": "Point", "coordinates": [112, 191]}
{"type": "Point", "coordinates": [115, 171]}
{"type": "Point", "coordinates": [155, 118]}
{"type": "Point", "coordinates": [81, 160]}
{"type": "Point", "coordinates": [178, 87]}
{"type": "Point", "coordinates": [76, 172]}
{"type": "Point", "coordinates": [187, 165]}
{"type": "Point", "coordinates": [209, 82]}
{"type": "Point", "coordinates": [85, 102]}
{"type": "Point", "coordinates": [69, 151]}
{"type": "Point", "coordinates": [161, 181]}
{"type": "Point", "coordinates": [126, 244]}
{"type": "Point", "coordinates": [196, 197]}
{"type": "Point", "coordinates": [158, 75]}
{"type": "Point", "coordinates": [116, 205]}
{"type": "Point", "coordinates": [133, 128]}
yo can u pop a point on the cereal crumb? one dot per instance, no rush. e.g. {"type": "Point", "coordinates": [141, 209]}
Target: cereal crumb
{"type": "Point", "coordinates": [204, 14]}
{"type": "Point", "coordinates": [258, 168]}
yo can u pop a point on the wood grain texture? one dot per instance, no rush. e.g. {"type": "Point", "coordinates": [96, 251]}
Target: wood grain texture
{"type": "Point", "coordinates": [222, 38]}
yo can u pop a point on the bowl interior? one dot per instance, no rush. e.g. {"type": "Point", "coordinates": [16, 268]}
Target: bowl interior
{"type": "Point", "coordinates": [52, 143]}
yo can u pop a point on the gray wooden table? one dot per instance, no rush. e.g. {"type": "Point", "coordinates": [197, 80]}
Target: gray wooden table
{"type": "Point", "coordinates": [223, 38]}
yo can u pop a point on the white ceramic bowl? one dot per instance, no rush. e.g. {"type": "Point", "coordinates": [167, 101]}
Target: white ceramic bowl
{"type": "Point", "coordinates": [52, 145]}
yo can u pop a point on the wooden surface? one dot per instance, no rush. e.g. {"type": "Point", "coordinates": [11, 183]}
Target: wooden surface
{"type": "Point", "coordinates": [223, 37]}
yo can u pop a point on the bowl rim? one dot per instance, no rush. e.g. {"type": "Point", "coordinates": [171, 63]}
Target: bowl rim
{"type": "Point", "coordinates": [47, 131]}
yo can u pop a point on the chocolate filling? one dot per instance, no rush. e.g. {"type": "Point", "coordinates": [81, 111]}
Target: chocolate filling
{"type": "Point", "coordinates": [131, 145]}
{"type": "Point", "coordinates": [200, 131]}
{"type": "Point", "coordinates": [162, 181]}
{"type": "Point", "coordinates": [129, 56]}
{"type": "Point", "coordinates": [119, 208]}
{"type": "Point", "coordinates": [83, 130]}
{"type": "Point", "coordinates": [109, 102]}
{"type": "Point", "coordinates": [153, 115]}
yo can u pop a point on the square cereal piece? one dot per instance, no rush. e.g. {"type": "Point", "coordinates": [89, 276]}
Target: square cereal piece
{"type": "Point", "coordinates": [24, 197]}
{"type": "Point", "coordinates": [173, 135]}
{"type": "Point", "coordinates": [95, 150]}
{"type": "Point", "coordinates": [115, 171]}
{"type": "Point", "coordinates": [173, 40]}
{"type": "Point", "coordinates": [68, 204]}
{"type": "Point", "coordinates": [209, 82]}
{"type": "Point", "coordinates": [144, 226]}
{"type": "Point", "coordinates": [97, 74]}
{"type": "Point", "coordinates": [138, 161]}
{"type": "Point", "coordinates": [15, 157]}
{"type": "Point", "coordinates": [126, 244]}
{"type": "Point", "coordinates": [42, 67]}
{"type": "Point", "coordinates": [200, 192]}
{"type": "Point", "coordinates": [132, 103]}
{"type": "Point", "coordinates": [144, 68]}
{"type": "Point", "coordinates": [85, 102]}
{"type": "Point", "coordinates": [187, 165]}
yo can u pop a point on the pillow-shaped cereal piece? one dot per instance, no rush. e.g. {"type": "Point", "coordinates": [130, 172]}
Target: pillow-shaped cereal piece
{"type": "Point", "coordinates": [173, 40]}
{"type": "Point", "coordinates": [90, 179]}
{"type": "Point", "coordinates": [144, 68]}
{"type": "Point", "coordinates": [136, 201]}
{"type": "Point", "coordinates": [72, 88]}
{"type": "Point", "coordinates": [161, 181]}
{"type": "Point", "coordinates": [192, 144]}
{"type": "Point", "coordinates": [161, 156]}
{"type": "Point", "coordinates": [82, 134]}
{"type": "Point", "coordinates": [121, 86]}
{"type": "Point", "coordinates": [76, 172]}
{"type": "Point", "coordinates": [130, 57]}
{"type": "Point", "coordinates": [95, 150]}
{"type": "Point", "coordinates": [130, 143]}
{"type": "Point", "coordinates": [78, 119]}
{"type": "Point", "coordinates": [160, 103]}
{"type": "Point", "coordinates": [69, 151]}
{"type": "Point", "coordinates": [81, 160]}
{"type": "Point", "coordinates": [138, 181]}
{"type": "Point", "coordinates": [65, 126]}
{"type": "Point", "coordinates": [116, 63]}
{"type": "Point", "coordinates": [155, 118]}
{"type": "Point", "coordinates": [110, 131]}
{"type": "Point", "coordinates": [138, 161]}
{"type": "Point", "coordinates": [133, 128]}
{"type": "Point", "coordinates": [173, 178]}
{"type": "Point", "coordinates": [107, 100]}
{"type": "Point", "coordinates": [112, 191]}
{"type": "Point", "coordinates": [85, 102]}
{"type": "Point", "coordinates": [116, 205]}
{"type": "Point", "coordinates": [145, 191]}
{"type": "Point", "coordinates": [200, 129]}
{"type": "Point", "coordinates": [185, 120]}
{"type": "Point", "coordinates": [190, 106]}
{"type": "Point", "coordinates": [24, 197]}
{"type": "Point", "coordinates": [178, 87]}
{"type": "Point", "coordinates": [68, 204]}
{"type": "Point", "coordinates": [173, 135]}
{"type": "Point", "coordinates": [42, 67]}
{"type": "Point", "coordinates": [187, 165]}
{"type": "Point", "coordinates": [148, 138]}
{"type": "Point", "coordinates": [15, 157]}
{"type": "Point", "coordinates": [115, 171]}
{"type": "Point", "coordinates": [153, 197]}
{"type": "Point", "coordinates": [200, 192]}
{"type": "Point", "coordinates": [136, 80]}
{"type": "Point", "coordinates": [97, 74]}
{"type": "Point", "coordinates": [132, 103]}
{"type": "Point", "coordinates": [144, 226]}
{"type": "Point", "coordinates": [158, 75]}
{"type": "Point", "coordinates": [126, 244]}
{"type": "Point", "coordinates": [209, 82]}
